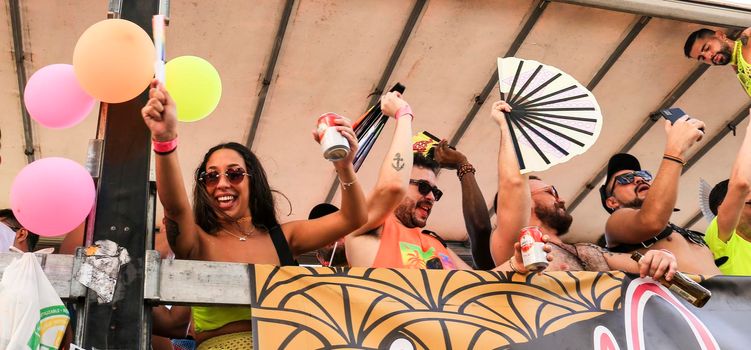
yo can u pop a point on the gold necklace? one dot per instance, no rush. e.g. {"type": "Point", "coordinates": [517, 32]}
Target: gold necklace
{"type": "Point", "coordinates": [241, 238]}
{"type": "Point", "coordinates": [244, 236]}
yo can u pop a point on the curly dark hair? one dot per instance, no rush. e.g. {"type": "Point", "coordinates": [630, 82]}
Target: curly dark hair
{"type": "Point", "coordinates": [261, 202]}
{"type": "Point", "coordinates": [419, 160]}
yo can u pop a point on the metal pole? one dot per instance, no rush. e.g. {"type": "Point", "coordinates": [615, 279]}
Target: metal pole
{"type": "Point", "coordinates": [19, 57]}
{"type": "Point", "coordinates": [688, 11]}
{"type": "Point", "coordinates": [123, 212]}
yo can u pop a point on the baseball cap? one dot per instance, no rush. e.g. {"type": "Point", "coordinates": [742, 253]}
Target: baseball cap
{"type": "Point", "coordinates": [618, 162]}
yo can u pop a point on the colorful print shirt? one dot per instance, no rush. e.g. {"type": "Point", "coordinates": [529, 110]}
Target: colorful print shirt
{"type": "Point", "coordinates": [403, 247]}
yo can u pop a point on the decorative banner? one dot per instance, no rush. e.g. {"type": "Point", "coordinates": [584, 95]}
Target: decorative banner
{"type": "Point", "coordinates": [313, 308]}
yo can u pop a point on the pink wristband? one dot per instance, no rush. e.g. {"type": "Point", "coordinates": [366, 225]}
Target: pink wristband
{"type": "Point", "coordinates": [164, 146]}
{"type": "Point", "coordinates": [405, 110]}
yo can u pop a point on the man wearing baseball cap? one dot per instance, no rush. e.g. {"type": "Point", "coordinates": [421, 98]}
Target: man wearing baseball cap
{"type": "Point", "coordinates": [640, 205]}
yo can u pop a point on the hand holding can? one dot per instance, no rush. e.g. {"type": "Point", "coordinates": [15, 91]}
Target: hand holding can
{"type": "Point", "coordinates": [333, 144]}
{"type": "Point", "coordinates": [533, 249]}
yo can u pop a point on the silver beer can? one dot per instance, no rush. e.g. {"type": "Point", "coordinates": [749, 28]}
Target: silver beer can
{"type": "Point", "coordinates": [533, 252]}
{"type": "Point", "coordinates": [333, 144]}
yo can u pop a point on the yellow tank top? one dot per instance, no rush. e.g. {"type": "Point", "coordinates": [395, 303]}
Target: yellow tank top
{"type": "Point", "coordinates": [743, 68]}
{"type": "Point", "coordinates": [206, 318]}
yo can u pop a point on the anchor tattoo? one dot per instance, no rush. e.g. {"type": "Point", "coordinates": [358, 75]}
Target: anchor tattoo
{"type": "Point", "coordinates": [398, 163]}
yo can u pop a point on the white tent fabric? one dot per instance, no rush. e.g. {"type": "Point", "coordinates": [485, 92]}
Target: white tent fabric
{"type": "Point", "coordinates": [333, 55]}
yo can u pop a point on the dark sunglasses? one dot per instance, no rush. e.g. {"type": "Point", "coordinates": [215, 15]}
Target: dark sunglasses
{"type": "Point", "coordinates": [434, 264]}
{"type": "Point", "coordinates": [234, 175]}
{"type": "Point", "coordinates": [424, 187]}
{"type": "Point", "coordinates": [627, 178]}
{"type": "Point", "coordinates": [547, 189]}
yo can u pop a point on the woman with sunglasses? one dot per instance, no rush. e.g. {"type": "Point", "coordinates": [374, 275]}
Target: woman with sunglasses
{"type": "Point", "coordinates": [233, 217]}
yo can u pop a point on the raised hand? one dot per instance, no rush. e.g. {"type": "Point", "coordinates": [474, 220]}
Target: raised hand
{"type": "Point", "coordinates": [343, 126]}
{"type": "Point", "coordinates": [391, 102]}
{"type": "Point", "coordinates": [682, 134]}
{"type": "Point", "coordinates": [447, 157]}
{"type": "Point", "coordinates": [160, 113]}
{"type": "Point", "coordinates": [497, 111]}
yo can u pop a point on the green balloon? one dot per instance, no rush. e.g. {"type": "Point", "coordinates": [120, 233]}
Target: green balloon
{"type": "Point", "coordinates": [195, 86]}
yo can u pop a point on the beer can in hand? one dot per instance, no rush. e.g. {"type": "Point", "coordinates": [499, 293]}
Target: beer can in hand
{"type": "Point", "coordinates": [533, 252]}
{"type": "Point", "coordinates": [333, 143]}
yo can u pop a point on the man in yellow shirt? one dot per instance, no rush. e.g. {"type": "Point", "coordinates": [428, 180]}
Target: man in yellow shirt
{"type": "Point", "coordinates": [716, 48]}
{"type": "Point", "coordinates": [729, 234]}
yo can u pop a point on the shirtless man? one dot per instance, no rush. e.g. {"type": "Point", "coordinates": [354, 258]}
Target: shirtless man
{"type": "Point", "coordinates": [715, 48]}
{"type": "Point", "coordinates": [641, 208]}
{"type": "Point", "coordinates": [524, 201]}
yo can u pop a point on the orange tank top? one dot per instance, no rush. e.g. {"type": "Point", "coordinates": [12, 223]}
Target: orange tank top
{"type": "Point", "coordinates": [403, 247]}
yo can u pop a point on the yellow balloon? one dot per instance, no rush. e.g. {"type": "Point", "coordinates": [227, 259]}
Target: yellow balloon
{"type": "Point", "coordinates": [114, 60]}
{"type": "Point", "coordinates": [194, 85]}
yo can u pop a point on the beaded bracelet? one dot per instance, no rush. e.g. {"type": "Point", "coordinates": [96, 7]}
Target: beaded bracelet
{"type": "Point", "coordinates": [464, 169]}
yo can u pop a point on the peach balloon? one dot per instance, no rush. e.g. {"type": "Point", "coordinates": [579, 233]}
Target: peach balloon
{"type": "Point", "coordinates": [114, 60]}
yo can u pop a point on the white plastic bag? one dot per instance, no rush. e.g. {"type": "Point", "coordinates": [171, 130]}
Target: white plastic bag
{"type": "Point", "coordinates": [32, 316]}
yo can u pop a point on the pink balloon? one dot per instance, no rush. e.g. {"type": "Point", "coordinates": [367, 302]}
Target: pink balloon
{"type": "Point", "coordinates": [55, 99]}
{"type": "Point", "coordinates": [52, 196]}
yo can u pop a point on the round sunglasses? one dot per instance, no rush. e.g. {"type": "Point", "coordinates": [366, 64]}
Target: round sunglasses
{"type": "Point", "coordinates": [628, 178]}
{"type": "Point", "coordinates": [211, 178]}
{"type": "Point", "coordinates": [424, 187]}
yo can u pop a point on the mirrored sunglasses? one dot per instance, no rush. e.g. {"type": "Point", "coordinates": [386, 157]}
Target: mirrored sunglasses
{"type": "Point", "coordinates": [627, 178]}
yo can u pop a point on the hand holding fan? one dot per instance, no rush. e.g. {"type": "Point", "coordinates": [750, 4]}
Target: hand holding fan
{"type": "Point", "coordinates": [553, 117]}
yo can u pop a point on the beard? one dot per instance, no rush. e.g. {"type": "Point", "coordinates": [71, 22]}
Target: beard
{"type": "Point", "coordinates": [556, 218]}
{"type": "Point", "coordinates": [637, 202]}
{"type": "Point", "coordinates": [725, 53]}
{"type": "Point", "coordinates": [634, 204]}
{"type": "Point", "coordinates": [406, 213]}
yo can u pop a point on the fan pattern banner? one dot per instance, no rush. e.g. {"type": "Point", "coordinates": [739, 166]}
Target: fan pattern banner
{"type": "Point", "coordinates": [358, 308]}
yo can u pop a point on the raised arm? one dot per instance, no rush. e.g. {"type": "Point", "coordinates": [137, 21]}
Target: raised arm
{"type": "Point", "coordinates": [739, 186]}
{"type": "Point", "coordinates": [306, 235]}
{"type": "Point", "coordinates": [637, 225]}
{"type": "Point", "coordinates": [474, 208]}
{"type": "Point", "coordinates": [514, 200]}
{"type": "Point", "coordinates": [160, 116]}
{"type": "Point", "coordinates": [396, 169]}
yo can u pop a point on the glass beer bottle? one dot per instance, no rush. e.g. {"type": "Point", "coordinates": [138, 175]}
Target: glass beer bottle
{"type": "Point", "coordinates": [685, 287]}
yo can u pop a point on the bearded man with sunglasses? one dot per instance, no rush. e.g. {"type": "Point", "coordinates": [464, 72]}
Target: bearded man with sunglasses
{"type": "Point", "coordinates": [640, 208]}
{"type": "Point", "coordinates": [393, 237]}
{"type": "Point", "coordinates": [529, 201]}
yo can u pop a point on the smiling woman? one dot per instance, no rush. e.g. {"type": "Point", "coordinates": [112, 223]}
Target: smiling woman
{"type": "Point", "coordinates": [233, 217]}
